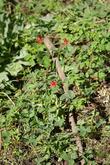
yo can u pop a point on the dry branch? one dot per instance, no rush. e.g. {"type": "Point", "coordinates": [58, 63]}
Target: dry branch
{"type": "Point", "coordinates": [62, 76]}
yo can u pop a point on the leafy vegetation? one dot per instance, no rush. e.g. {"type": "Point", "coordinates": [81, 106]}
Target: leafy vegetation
{"type": "Point", "coordinates": [34, 110]}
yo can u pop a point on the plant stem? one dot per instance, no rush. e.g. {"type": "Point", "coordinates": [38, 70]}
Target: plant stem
{"type": "Point", "coordinates": [62, 76]}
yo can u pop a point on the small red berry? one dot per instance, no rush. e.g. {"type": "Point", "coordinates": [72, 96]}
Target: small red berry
{"type": "Point", "coordinates": [39, 39]}
{"type": "Point", "coordinates": [65, 42]}
{"type": "Point", "coordinates": [53, 84]}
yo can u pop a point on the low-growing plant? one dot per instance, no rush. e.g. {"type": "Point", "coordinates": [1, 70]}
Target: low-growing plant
{"type": "Point", "coordinates": [34, 118]}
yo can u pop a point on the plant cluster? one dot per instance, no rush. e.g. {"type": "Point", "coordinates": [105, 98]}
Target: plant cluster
{"type": "Point", "coordinates": [34, 110]}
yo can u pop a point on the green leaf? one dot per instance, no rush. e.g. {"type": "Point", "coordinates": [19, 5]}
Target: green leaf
{"type": "Point", "coordinates": [3, 76]}
{"type": "Point", "coordinates": [47, 18]}
{"type": "Point", "coordinates": [24, 63]}
{"type": "Point", "coordinates": [67, 96]}
{"type": "Point", "coordinates": [6, 136]}
{"type": "Point", "coordinates": [23, 53]}
{"type": "Point", "coordinates": [101, 75]}
{"type": "Point", "coordinates": [46, 61]}
{"type": "Point", "coordinates": [1, 4]}
{"type": "Point", "coordinates": [84, 131]}
{"type": "Point", "coordinates": [108, 47]}
{"type": "Point", "coordinates": [14, 68]}
{"type": "Point", "coordinates": [6, 29]}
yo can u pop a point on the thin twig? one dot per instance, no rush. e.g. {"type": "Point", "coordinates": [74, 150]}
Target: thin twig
{"type": "Point", "coordinates": [8, 98]}
{"type": "Point", "coordinates": [62, 76]}
{"type": "Point", "coordinates": [77, 138]}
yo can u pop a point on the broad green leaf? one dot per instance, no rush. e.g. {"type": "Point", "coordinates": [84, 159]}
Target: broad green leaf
{"type": "Point", "coordinates": [3, 76]}
{"type": "Point", "coordinates": [69, 95]}
{"type": "Point", "coordinates": [14, 68]}
{"type": "Point", "coordinates": [46, 61]}
{"type": "Point", "coordinates": [108, 47]}
{"type": "Point", "coordinates": [23, 53]}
